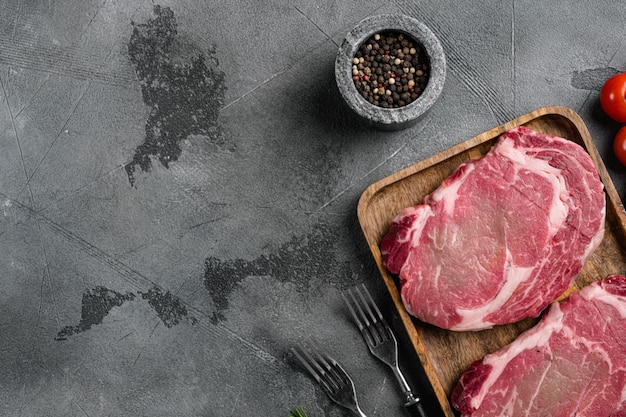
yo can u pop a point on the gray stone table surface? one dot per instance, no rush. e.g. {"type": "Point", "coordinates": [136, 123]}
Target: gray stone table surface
{"type": "Point", "coordinates": [179, 182]}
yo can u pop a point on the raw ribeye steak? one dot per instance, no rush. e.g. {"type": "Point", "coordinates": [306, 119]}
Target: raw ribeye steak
{"type": "Point", "coordinates": [502, 237]}
{"type": "Point", "coordinates": [572, 363]}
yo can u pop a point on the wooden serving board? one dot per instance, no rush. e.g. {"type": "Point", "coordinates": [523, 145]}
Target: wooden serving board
{"type": "Point", "coordinates": [444, 354]}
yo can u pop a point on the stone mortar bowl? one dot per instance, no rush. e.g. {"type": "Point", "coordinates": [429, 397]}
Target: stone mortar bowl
{"type": "Point", "coordinates": [390, 118]}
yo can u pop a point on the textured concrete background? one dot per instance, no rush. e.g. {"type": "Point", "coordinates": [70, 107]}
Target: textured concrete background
{"type": "Point", "coordinates": [179, 183]}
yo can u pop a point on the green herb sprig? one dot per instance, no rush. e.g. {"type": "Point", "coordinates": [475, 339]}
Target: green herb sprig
{"type": "Point", "coordinates": [297, 412]}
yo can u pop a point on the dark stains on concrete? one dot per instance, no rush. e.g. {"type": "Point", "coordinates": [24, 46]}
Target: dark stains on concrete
{"type": "Point", "coordinates": [97, 303]}
{"type": "Point", "coordinates": [168, 307]}
{"type": "Point", "coordinates": [592, 79]}
{"type": "Point", "coordinates": [301, 260]}
{"type": "Point", "coordinates": [184, 90]}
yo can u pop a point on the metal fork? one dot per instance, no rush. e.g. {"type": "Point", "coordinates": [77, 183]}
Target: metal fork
{"type": "Point", "coordinates": [331, 376]}
{"type": "Point", "coordinates": [380, 339]}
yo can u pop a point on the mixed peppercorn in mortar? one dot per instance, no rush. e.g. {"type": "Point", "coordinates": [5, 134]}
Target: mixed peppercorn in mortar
{"type": "Point", "coordinates": [390, 69]}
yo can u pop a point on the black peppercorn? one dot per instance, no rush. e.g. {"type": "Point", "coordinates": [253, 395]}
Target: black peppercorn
{"type": "Point", "coordinates": [390, 70]}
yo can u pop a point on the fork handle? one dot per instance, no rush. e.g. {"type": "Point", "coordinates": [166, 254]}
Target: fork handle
{"type": "Point", "coordinates": [360, 413]}
{"type": "Point", "coordinates": [416, 409]}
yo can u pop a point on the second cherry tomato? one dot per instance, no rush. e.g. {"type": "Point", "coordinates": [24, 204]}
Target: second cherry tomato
{"type": "Point", "coordinates": [613, 97]}
{"type": "Point", "coordinates": [619, 145]}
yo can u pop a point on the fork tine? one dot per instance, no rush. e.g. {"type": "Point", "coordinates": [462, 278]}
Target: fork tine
{"type": "Point", "coordinates": [350, 302]}
{"type": "Point", "coordinates": [359, 317]}
{"type": "Point", "coordinates": [378, 319]}
{"type": "Point", "coordinates": [366, 304]}
{"type": "Point", "coordinates": [382, 325]}
{"type": "Point", "coordinates": [305, 363]}
{"type": "Point", "coordinates": [319, 365]}
{"type": "Point", "coordinates": [338, 377]}
{"type": "Point", "coordinates": [330, 375]}
{"type": "Point", "coordinates": [368, 310]}
{"type": "Point", "coordinates": [372, 303]}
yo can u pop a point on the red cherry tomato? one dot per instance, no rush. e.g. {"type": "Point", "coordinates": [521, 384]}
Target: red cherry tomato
{"type": "Point", "coordinates": [613, 97]}
{"type": "Point", "coordinates": [619, 145]}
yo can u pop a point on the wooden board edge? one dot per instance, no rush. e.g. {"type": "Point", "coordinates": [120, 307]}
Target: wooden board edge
{"type": "Point", "coordinates": [370, 191]}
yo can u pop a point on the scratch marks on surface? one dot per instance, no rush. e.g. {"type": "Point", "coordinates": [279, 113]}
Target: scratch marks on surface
{"type": "Point", "coordinates": [140, 282]}
{"type": "Point", "coordinates": [374, 169]}
{"type": "Point", "coordinates": [128, 274]}
{"type": "Point", "coordinates": [25, 48]}
{"type": "Point", "coordinates": [145, 343]}
{"type": "Point", "coordinates": [236, 402]}
{"type": "Point", "coordinates": [17, 139]}
{"type": "Point", "coordinates": [47, 277]}
{"type": "Point", "coordinates": [183, 88]}
{"type": "Point", "coordinates": [77, 190]}
{"type": "Point", "coordinates": [41, 296]}
{"type": "Point", "coordinates": [17, 19]}
{"type": "Point", "coordinates": [296, 261]}
{"type": "Point", "coordinates": [380, 394]}
{"type": "Point", "coordinates": [30, 99]}
{"type": "Point", "coordinates": [462, 64]}
{"type": "Point", "coordinates": [96, 13]}
{"type": "Point", "coordinates": [255, 88]}
{"type": "Point", "coordinates": [98, 303]}
{"type": "Point", "coordinates": [316, 25]}
{"type": "Point", "coordinates": [336, 196]}
{"type": "Point", "coordinates": [58, 135]}
{"type": "Point", "coordinates": [80, 408]}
